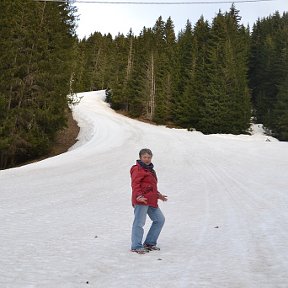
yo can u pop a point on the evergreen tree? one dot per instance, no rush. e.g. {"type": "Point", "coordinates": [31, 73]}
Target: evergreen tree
{"type": "Point", "coordinates": [199, 82]}
{"type": "Point", "coordinates": [280, 113]}
{"type": "Point", "coordinates": [165, 41]}
{"type": "Point", "coordinates": [267, 65]}
{"type": "Point", "coordinates": [35, 72]}
{"type": "Point", "coordinates": [167, 81]}
{"type": "Point", "coordinates": [183, 101]}
{"type": "Point", "coordinates": [226, 101]}
{"type": "Point", "coordinates": [279, 123]}
{"type": "Point", "coordinates": [215, 98]}
{"type": "Point", "coordinates": [145, 71]}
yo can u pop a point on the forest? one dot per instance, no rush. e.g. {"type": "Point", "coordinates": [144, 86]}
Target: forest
{"type": "Point", "coordinates": [216, 77]}
{"type": "Point", "coordinates": [36, 64]}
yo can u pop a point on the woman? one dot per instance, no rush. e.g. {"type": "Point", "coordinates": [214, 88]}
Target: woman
{"type": "Point", "coordinates": [145, 196]}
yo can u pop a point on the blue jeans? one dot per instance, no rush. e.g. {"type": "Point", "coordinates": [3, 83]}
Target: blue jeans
{"type": "Point", "coordinates": [140, 213]}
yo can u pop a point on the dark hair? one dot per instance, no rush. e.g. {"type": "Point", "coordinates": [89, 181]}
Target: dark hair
{"type": "Point", "coordinates": [145, 151]}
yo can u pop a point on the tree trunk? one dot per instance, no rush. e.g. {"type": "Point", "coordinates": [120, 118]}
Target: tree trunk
{"type": "Point", "coordinates": [151, 99]}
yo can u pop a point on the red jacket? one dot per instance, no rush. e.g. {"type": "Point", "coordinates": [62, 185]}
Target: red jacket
{"type": "Point", "coordinates": [144, 183]}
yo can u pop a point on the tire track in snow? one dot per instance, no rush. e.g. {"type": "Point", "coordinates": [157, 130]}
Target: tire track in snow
{"type": "Point", "coordinates": [247, 212]}
{"type": "Point", "coordinates": [198, 225]}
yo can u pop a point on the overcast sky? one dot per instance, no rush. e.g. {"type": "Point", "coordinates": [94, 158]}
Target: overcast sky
{"type": "Point", "coordinates": [115, 18]}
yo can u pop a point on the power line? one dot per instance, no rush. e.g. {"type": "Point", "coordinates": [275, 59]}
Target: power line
{"type": "Point", "coordinates": [158, 3]}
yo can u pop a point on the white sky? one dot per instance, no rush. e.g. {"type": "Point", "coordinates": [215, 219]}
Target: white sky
{"type": "Point", "coordinates": [114, 18]}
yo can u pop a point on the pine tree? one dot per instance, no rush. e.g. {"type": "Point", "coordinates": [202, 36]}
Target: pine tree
{"type": "Point", "coordinates": [226, 101]}
{"type": "Point", "coordinates": [267, 66]}
{"type": "Point", "coordinates": [183, 101]}
{"type": "Point", "coordinates": [280, 113]}
{"type": "Point", "coordinates": [36, 41]}
{"type": "Point", "coordinates": [215, 98]}
{"type": "Point", "coordinates": [199, 82]}
{"type": "Point", "coordinates": [165, 41]}
{"type": "Point", "coordinates": [279, 121]}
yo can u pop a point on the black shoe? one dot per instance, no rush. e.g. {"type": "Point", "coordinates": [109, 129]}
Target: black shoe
{"type": "Point", "coordinates": [151, 247]}
{"type": "Point", "coordinates": [140, 250]}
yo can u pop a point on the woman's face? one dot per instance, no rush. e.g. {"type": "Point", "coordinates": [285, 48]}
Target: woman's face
{"type": "Point", "coordinates": [146, 158]}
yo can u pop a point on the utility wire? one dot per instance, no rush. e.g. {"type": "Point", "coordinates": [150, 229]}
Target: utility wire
{"type": "Point", "coordinates": [158, 3]}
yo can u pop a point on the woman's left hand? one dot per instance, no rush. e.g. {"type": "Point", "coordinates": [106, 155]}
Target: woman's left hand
{"type": "Point", "coordinates": [162, 197]}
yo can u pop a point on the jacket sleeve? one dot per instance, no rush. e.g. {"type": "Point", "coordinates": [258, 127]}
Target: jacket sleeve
{"type": "Point", "coordinates": [136, 178]}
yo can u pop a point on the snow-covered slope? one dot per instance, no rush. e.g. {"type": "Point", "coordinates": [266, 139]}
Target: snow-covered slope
{"type": "Point", "coordinates": [65, 221]}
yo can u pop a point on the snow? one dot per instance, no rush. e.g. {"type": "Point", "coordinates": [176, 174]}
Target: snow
{"type": "Point", "coordinates": [66, 221]}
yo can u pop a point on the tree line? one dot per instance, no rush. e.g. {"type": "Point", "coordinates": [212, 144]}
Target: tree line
{"type": "Point", "coordinates": [214, 77]}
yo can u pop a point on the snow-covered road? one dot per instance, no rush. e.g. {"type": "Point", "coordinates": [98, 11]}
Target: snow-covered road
{"type": "Point", "coordinates": [65, 221]}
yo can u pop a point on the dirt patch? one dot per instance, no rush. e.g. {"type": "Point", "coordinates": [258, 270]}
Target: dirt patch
{"type": "Point", "coordinates": [66, 137]}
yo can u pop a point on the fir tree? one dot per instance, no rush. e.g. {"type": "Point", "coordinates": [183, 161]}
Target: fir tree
{"type": "Point", "coordinates": [164, 62]}
{"type": "Point", "coordinates": [36, 41]}
{"type": "Point", "coordinates": [267, 65]}
{"type": "Point", "coordinates": [185, 69]}
{"type": "Point", "coordinates": [280, 112]}
{"type": "Point", "coordinates": [226, 101]}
